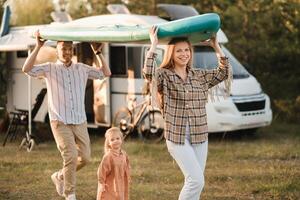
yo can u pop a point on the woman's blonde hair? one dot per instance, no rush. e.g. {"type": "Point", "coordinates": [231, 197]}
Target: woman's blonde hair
{"type": "Point", "coordinates": [168, 61]}
{"type": "Point", "coordinates": [107, 134]}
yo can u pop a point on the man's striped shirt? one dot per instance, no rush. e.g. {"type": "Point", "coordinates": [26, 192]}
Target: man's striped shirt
{"type": "Point", "coordinates": [66, 89]}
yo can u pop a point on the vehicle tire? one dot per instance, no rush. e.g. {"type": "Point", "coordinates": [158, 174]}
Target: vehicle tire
{"type": "Point", "coordinates": [123, 115]}
{"type": "Point", "coordinates": [30, 145]}
{"type": "Point", "coordinates": [23, 143]}
{"type": "Point", "coordinates": [151, 126]}
{"type": "Point", "coordinates": [251, 131]}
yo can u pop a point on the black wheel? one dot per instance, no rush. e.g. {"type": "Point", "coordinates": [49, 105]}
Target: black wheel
{"type": "Point", "coordinates": [151, 126]}
{"type": "Point", "coordinates": [30, 145]}
{"type": "Point", "coordinates": [23, 143]}
{"type": "Point", "coordinates": [122, 119]}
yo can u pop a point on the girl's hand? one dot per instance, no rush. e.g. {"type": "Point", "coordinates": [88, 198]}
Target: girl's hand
{"type": "Point", "coordinates": [101, 187]}
{"type": "Point", "coordinates": [153, 35]}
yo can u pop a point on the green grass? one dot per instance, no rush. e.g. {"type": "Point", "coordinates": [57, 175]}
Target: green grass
{"type": "Point", "coordinates": [263, 166]}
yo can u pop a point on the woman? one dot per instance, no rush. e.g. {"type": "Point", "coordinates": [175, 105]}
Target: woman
{"type": "Point", "coordinates": [182, 94]}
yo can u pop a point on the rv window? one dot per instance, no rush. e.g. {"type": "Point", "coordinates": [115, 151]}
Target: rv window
{"type": "Point", "coordinates": [117, 60]}
{"type": "Point", "coordinates": [134, 61]}
{"type": "Point", "coordinates": [22, 54]}
{"type": "Point", "coordinates": [206, 58]}
{"type": "Point", "coordinates": [159, 58]}
{"type": "Point", "coordinates": [238, 69]}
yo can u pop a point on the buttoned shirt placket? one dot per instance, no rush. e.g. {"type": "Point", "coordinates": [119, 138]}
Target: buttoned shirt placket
{"type": "Point", "coordinates": [187, 106]}
{"type": "Point", "coordinates": [70, 92]}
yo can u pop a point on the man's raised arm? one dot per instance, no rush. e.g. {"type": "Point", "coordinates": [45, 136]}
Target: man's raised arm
{"type": "Point", "coordinates": [32, 57]}
{"type": "Point", "coordinates": [97, 48]}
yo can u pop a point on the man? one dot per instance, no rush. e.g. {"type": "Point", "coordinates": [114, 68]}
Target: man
{"type": "Point", "coordinates": [66, 83]}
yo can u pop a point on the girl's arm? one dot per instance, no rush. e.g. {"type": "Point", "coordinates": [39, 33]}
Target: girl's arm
{"type": "Point", "coordinates": [100, 190]}
{"type": "Point", "coordinates": [128, 169]}
{"type": "Point", "coordinates": [103, 170]}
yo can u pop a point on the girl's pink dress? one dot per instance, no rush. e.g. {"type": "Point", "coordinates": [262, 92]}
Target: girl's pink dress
{"type": "Point", "coordinates": [114, 175]}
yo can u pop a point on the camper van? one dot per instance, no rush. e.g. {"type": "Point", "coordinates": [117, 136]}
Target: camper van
{"type": "Point", "coordinates": [248, 107]}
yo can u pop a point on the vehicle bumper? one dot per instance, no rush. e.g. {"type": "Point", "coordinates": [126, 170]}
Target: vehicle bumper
{"type": "Point", "coordinates": [223, 116]}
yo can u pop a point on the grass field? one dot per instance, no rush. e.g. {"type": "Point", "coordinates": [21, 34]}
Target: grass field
{"type": "Point", "coordinates": [263, 166]}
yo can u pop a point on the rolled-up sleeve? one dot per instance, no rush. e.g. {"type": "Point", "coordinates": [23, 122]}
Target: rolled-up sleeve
{"type": "Point", "coordinates": [39, 70]}
{"type": "Point", "coordinates": [94, 73]}
{"type": "Point", "coordinates": [159, 80]}
{"type": "Point", "coordinates": [215, 76]}
{"type": "Point", "coordinates": [149, 65]}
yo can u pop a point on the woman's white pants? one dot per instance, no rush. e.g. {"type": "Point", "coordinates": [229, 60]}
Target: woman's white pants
{"type": "Point", "coordinates": [191, 159]}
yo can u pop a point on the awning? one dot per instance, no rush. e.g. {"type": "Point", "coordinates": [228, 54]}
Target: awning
{"type": "Point", "coordinates": [19, 38]}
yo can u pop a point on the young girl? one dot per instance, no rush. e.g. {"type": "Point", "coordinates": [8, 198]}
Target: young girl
{"type": "Point", "coordinates": [113, 171]}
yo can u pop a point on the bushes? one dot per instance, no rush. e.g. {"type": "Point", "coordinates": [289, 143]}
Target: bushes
{"type": "Point", "coordinates": [288, 110]}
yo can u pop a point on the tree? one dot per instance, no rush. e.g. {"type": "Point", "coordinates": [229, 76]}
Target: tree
{"type": "Point", "coordinates": [2, 69]}
{"type": "Point", "coordinates": [28, 12]}
{"type": "Point", "coordinates": [83, 8]}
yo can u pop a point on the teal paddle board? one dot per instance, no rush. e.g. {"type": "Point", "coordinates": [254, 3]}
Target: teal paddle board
{"type": "Point", "coordinates": [197, 28]}
{"type": "Point", "coordinates": [5, 21]}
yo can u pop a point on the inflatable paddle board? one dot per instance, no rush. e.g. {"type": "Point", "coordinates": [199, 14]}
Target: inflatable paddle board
{"type": "Point", "coordinates": [197, 28]}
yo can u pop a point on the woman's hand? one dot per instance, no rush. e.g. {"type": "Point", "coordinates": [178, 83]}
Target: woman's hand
{"type": "Point", "coordinates": [153, 37]}
{"type": "Point", "coordinates": [213, 42]}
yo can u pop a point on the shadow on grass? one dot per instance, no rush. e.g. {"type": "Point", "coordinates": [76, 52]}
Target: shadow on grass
{"type": "Point", "coordinates": [276, 131]}
{"type": "Point", "coordinates": [241, 135]}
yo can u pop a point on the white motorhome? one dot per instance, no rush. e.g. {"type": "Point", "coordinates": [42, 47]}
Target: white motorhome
{"type": "Point", "coordinates": [248, 107]}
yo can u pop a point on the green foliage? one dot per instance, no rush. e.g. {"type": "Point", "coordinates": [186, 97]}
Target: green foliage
{"type": "Point", "coordinates": [3, 81]}
{"type": "Point", "coordinates": [78, 9]}
{"type": "Point", "coordinates": [2, 59]}
{"type": "Point", "coordinates": [28, 12]}
{"type": "Point", "coordinates": [99, 7]}
{"type": "Point", "coordinates": [1, 8]}
{"type": "Point", "coordinates": [288, 110]}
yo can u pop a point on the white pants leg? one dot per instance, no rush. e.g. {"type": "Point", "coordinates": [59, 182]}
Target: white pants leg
{"type": "Point", "coordinates": [191, 159]}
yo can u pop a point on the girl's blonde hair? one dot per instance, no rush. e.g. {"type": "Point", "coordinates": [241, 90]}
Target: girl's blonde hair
{"type": "Point", "coordinates": [107, 134]}
{"type": "Point", "coordinates": [168, 57]}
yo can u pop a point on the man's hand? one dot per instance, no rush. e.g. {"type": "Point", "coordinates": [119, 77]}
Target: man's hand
{"type": "Point", "coordinates": [39, 41]}
{"type": "Point", "coordinates": [97, 47]}
{"type": "Point", "coordinates": [29, 62]}
{"type": "Point", "coordinates": [101, 63]}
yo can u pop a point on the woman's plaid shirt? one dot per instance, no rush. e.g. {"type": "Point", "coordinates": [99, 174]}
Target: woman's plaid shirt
{"type": "Point", "coordinates": [184, 101]}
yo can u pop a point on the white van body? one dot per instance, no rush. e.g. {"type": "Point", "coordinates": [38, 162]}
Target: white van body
{"type": "Point", "coordinates": [246, 108]}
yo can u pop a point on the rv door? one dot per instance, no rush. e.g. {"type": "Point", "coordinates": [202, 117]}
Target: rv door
{"type": "Point", "coordinates": [97, 92]}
